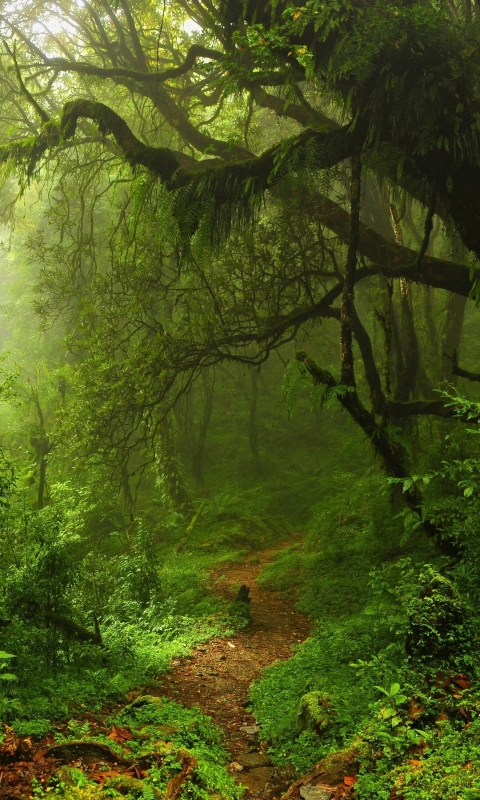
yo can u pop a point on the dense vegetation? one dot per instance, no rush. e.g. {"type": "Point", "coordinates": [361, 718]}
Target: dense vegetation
{"type": "Point", "coordinates": [239, 300]}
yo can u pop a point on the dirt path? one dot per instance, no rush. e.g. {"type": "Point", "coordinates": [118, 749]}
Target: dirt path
{"type": "Point", "coordinates": [218, 675]}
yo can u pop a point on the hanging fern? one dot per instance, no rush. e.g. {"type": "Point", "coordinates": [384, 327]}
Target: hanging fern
{"type": "Point", "coordinates": [297, 378]}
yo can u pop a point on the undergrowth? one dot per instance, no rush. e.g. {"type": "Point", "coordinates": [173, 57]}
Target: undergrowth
{"type": "Point", "coordinates": [165, 738]}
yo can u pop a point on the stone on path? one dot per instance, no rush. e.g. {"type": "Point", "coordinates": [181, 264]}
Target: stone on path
{"type": "Point", "coordinates": [250, 730]}
{"type": "Point", "coordinates": [252, 760]}
{"type": "Point", "coordinates": [315, 793]}
{"type": "Point", "coordinates": [256, 779]}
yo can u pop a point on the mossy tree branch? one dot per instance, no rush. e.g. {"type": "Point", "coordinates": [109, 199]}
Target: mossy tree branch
{"type": "Point", "coordinates": [194, 52]}
{"type": "Point", "coordinates": [238, 186]}
{"type": "Point", "coordinates": [391, 452]}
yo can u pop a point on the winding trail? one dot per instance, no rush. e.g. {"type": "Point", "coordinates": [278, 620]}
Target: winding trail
{"type": "Point", "coordinates": [217, 676]}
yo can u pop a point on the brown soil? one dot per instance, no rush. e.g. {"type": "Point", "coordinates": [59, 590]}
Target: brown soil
{"type": "Point", "coordinates": [218, 675]}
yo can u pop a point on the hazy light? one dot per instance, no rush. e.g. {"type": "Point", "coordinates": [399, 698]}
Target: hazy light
{"type": "Point", "coordinates": [190, 26]}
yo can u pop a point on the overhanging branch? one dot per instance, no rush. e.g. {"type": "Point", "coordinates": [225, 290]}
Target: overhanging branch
{"type": "Point", "coordinates": [195, 52]}
{"type": "Point", "coordinates": [234, 191]}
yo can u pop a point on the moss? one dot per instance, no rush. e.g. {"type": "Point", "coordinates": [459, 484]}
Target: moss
{"type": "Point", "coordinates": [91, 792]}
{"type": "Point", "coordinates": [131, 786]}
{"type": "Point", "coordinates": [336, 766]}
{"type": "Point", "coordinates": [315, 712]}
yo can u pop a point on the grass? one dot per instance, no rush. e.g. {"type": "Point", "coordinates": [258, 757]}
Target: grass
{"type": "Point", "coordinates": [341, 575]}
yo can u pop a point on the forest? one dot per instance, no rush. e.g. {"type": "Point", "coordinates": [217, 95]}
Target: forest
{"type": "Point", "coordinates": [239, 399]}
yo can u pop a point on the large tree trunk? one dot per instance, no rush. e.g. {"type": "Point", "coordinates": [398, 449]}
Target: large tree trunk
{"type": "Point", "coordinates": [198, 450]}
{"type": "Point", "coordinates": [168, 467]}
{"type": "Point", "coordinates": [451, 334]}
{"type": "Point", "coordinates": [252, 420]}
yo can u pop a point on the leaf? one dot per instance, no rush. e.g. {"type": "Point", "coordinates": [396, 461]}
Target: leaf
{"type": "Point", "coordinates": [462, 681]}
{"type": "Point", "coordinates": [394, 689]}
{"type": "Point", "coordinates": [350, 780]}
{"type": "Point", "coordinates": [3, 654]}
{"type": "Point", "coordinates": [386, 713]}
{"type": "Point", "coordinates": [8, 676]}
{"type": "Point", "coordinates": [414, 709]}
{"type": "Point", "coordinates": [120, 735]}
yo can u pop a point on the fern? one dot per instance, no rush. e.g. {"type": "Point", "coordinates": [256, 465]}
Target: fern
{"type": "Point", "coordinates": [295, 379]}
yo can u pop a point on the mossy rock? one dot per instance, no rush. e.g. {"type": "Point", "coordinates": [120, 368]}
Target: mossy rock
{"type": "Point", "coordinates": [145, 699]}
{"type": "Point", "coordinates": [131, 786]}
{"type": "Point", "coordinates": [240, 611]}
{"type": "Point", "coordinates": [91, 792]}
{"type": "Point", "coordinates": [315, 712]}
{"type": "Point", "coordinates": [336, 766]}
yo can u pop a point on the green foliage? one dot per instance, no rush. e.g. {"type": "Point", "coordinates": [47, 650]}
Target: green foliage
{"type": "Point", "coordinates": [440, 629]}
{"type": "Point", "coordinates": [443, 762]}
{"type": "Point", "coordinates": [167, 734]}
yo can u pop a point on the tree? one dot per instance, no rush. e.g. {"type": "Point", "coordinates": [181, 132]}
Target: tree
{"type": "Point", "coordinates": [370, 93]}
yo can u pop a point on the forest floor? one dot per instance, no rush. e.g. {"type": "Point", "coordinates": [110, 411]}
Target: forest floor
{"type": "Point", "coordinates": [216, 677]}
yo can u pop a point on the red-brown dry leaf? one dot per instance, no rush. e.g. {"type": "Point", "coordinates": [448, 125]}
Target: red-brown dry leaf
{"type": "Point", "coordinates": [414, 709]}
{"type": "Point", "coordinates": [441, 717]}
{"type": "Point", "coordinates": [468, 765]}
{"type": "Point", "coordinates": [349, 780]}
{"type": "Point", "coordinates": [120, 735]}
{"type": "Point", "coordinates": [174, 786]}
{"type": "Point", "coordinates": [462, 681]}
{"type": "Point", "coordinates": [414, 762]}
{"type": "Point", "coordinates": [39, 754]}
{"type": "Point", "coordinates": [99, 777]}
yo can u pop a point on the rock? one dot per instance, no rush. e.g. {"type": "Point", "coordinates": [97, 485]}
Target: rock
{"type": "Point", "coordinates": [279, 782]}
{"type": "Point", "coordinates": [144, 700]}
{"type": "Point", "coordinates": [235, 767]}
{"type": "Point", "coordinates": [314, 713]}
{"type": "Point", "coordinates": [250, 730]}
{"type": "Point", "coordinates": [315, 793]}
{"type": "Point", "coordinates": [252, 760]}
{"type": "Point", "coordinates": [336, 766]}
{"type": "Point", "coordinates": [256, 779]}
{"type": "Point", "coordinates": [165, 731]}
{"type": "Point", "coordinates": [64, 775]}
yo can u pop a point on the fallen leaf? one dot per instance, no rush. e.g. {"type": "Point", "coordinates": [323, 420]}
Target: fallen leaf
{"type": "Point", "coordinates": [174, 786]}
{"type": "Point", "coordinates": [120, 735]}
{"type": "Point", "coordinates": [349, 780]}
{"type": "Point", "coordinates": [462, 681]}
{"type": "Point", "coordinates": [414, 709]}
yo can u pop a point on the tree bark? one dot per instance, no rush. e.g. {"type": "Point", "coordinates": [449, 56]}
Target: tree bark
{"type": "Point", "coordinates": [252, 420]}
{"type": "Point", "coordinates": [168, 468]}
{"type": "Point", "coordinates": [451, 336]}
{"type": "Point", "coordinates": [200, 443]}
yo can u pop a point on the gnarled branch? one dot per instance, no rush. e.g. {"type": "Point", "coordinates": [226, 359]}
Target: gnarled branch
{"type": "Point", "coordinates": [195, 52]}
